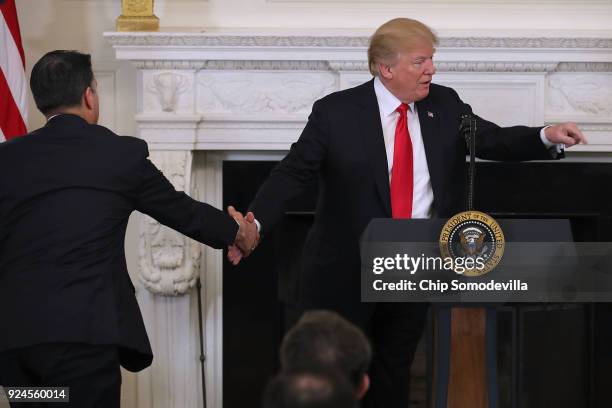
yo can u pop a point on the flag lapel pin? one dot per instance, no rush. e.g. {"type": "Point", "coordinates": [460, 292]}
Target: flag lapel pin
{"type": "Point", "coordinates": [430, 114]}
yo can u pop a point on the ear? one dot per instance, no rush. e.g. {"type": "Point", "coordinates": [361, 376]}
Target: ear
{"type": "Point", "coordinates": [385, 71]}
{"type": "Point", "coordinates": [364, 386]}
{"type": "Point", "coordinates": [89, 98]}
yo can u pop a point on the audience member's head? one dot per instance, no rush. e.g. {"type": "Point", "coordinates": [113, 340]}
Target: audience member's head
{"type": "Point", "coordinates": [326, 340]}
{"type": "Point", "coordinates": [63, 82]}
{"type": "Point", "coordinates": [309, 388]}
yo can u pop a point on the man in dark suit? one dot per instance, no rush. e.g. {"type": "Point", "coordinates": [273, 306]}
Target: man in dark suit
{"type": "Point", "coordinates": [69, 314]}
{"type": "Point", "coordinates": [387, 148]}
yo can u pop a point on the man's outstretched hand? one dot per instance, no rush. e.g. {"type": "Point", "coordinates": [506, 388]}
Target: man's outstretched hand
{"type": "Point", "coordinates": [565, 133]}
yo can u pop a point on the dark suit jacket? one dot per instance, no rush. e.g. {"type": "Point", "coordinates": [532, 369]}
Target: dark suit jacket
{"type": "Point", "coordinates": [66, 192]}
{"type": "Point", "coordinates": [342, 144]}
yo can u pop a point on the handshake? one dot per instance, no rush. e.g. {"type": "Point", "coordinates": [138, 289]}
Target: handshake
{"type": "Point", "coordinates": [247, 237]}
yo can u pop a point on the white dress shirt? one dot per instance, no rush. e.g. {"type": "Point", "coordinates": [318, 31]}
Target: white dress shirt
{"type": "Point", "coordinates": [422, 196]}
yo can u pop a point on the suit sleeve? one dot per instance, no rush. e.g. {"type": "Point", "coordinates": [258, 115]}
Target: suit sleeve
{"type": "Point", "coordinates": [515, 143]}
{"type": "Point", "coordinates": [294, 173]}
{"type": "Point", "coordinates": [156, 197]}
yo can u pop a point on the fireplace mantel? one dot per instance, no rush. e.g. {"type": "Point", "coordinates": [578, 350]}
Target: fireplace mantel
{"type": "Point", "coordinates": [562, 78]}
{"type": "Point", "coordinates": [251, 91]}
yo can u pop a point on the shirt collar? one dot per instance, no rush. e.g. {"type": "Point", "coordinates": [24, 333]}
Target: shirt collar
{"type": "Point", "coordinates": [386, 100]}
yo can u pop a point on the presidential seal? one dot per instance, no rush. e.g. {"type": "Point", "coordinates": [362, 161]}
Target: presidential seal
{"type": "Point", "coordinates": [475, 236]}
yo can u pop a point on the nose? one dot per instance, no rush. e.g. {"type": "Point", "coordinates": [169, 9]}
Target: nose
{"type": "Point", "coordinates": [430, 68]}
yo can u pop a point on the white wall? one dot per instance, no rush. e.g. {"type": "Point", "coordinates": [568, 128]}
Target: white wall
{"type": "Point", "coordinates": [440, 14]}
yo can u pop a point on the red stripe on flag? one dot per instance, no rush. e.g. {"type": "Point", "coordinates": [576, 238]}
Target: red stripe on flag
{"type": "Point", "coordinates": [10, 16]}
{"type": "Point", "coordinates": [10, 117]}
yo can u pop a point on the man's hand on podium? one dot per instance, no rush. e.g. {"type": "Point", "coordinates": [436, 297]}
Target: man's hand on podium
{"type": "Point", "coordinates": [247, 237]}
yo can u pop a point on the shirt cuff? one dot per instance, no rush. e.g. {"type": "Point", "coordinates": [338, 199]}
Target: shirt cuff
{"type": "Point", "coordinates": [258, 226]}
{"type": "Point", "coordinates": [559, 147]}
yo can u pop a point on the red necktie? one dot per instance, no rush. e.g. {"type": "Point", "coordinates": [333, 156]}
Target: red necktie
{"type": "Point", "coordinates": [401, 173]}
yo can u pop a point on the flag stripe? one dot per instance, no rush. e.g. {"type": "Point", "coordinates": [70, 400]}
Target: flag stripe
{"type": "Point", "coordinates": [11, 66]}
{"type": "Point", "coordinates": [9, 12]}
{"type": "Point", "coordinates": [13, 92]}
{"type": "Point", "coordinates": [11, 122]}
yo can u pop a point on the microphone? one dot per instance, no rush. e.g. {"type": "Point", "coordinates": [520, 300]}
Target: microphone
{"type": "Point", "coordinates": [467, 126]}
{"type": "Point", "coordinates": [465, 117]}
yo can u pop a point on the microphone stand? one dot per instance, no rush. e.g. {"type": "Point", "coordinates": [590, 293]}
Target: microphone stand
{"type": "Point", "coordinates": [468, 128]}
{"type": "Point", "coordinates": [202, 355]}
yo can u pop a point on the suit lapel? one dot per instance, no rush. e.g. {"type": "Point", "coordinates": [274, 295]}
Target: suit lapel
{"type": "Point", "coordinates": [429, 121]}
{"type": "Point", "coordinates": [374, 143]}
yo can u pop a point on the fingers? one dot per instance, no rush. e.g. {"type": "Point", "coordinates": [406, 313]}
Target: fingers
{"type": "Point", "coordinates": [575, 133]}
{"type": "Point", "coordinates": [565, 133]}
{"type": "Point", "coordinates": [237, 215]}
{"type": "Point", "coordinates": [247, 237]}
{"type": "Point", "coordinates": [234, 255]}
{"type": "Point", "coordinates": [250, 217]}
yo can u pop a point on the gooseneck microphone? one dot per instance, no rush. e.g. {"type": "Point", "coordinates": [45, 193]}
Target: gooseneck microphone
{"type": "Point", "coordinates": [467, 127]}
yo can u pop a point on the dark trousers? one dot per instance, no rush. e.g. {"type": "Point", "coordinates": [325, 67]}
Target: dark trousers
{"type": "Point", "coordinates": [91, 372]}
{"type": "Point", "coordinates": [394, 330]}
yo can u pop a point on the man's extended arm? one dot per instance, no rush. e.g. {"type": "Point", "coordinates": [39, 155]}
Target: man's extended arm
{"type": "Point", "coordinates": [154, 195]}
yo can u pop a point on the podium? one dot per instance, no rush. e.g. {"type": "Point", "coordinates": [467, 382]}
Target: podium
{"type": "Point", "coordinates": [464, 357]}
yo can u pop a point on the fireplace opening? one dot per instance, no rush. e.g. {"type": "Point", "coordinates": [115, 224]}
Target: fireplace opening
{"type": "Point", "coordinates": [545, 352]}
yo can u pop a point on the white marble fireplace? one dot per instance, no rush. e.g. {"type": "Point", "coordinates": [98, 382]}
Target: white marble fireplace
{"type": "Point", "coordinates": [241, 95]}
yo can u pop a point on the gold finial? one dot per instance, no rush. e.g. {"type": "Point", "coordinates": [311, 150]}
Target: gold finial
{"type": "Point", "coordinates": [137, 15]}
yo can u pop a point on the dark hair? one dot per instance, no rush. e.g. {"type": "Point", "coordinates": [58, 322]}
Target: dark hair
{"type": "Point", "coordinates": [59, 79]}
{"type": "Point", "coordinates": [325, 339]}
{"type": "Point", "coordinates": [309, 388]}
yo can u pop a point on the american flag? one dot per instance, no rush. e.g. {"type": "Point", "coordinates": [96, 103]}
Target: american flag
{"type": "Point", "coordinates": [13, 94]}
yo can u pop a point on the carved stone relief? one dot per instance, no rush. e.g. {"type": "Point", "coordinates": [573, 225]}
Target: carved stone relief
{"type": "Point", "coordinates": [167, 91]}
{"type": "Point", "coordinates": [169, 261]}
{"type": "Point", "coordinates": [255, 93]}
{"type": "Point", "coordinates": [580, 94]}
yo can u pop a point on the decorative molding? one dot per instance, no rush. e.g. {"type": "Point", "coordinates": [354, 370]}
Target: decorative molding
{"type": "Point", "coordinates": [169, 261]}
{"type": "Point", "coordinates": [211, 179]}
{"type": "Point", "coordinates": [338, 66]}
{"type": "Point", "coordinates": [343, 41]}
{"type": "Point", "coordinates": [220, 40]}
{"type": "Point", "coordinates": [525, 42]}
{"type": "Point", "coordinates": [227, 65]}
{"type": "Point", "coordinates": [169, 64]}
{"type": "Point", "coordinates": [495, 66]}
{"type": "Point", "coordinates": [348, 66]}
{"type": "Point", "coordinates": [584, 67]}
{"type": "Point", "coordinates": [592, 127]}
{"type": "Point", "coordinates": [232, 65]}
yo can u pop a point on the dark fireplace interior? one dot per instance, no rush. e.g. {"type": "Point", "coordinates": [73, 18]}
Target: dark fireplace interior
{"type": "Point", "coordinates": [549, 355]}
